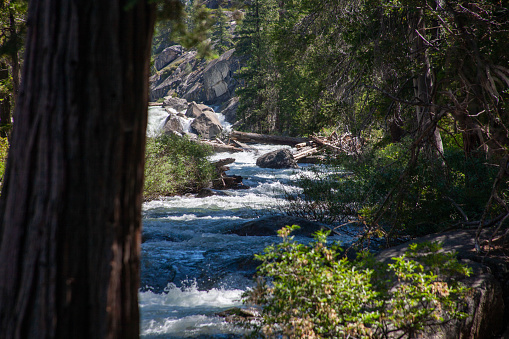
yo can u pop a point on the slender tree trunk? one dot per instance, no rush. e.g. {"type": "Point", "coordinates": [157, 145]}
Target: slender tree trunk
{"type": "Point", "coordinates": [424, 86]}
{"type": "Point", "coordinates": [70, 210]}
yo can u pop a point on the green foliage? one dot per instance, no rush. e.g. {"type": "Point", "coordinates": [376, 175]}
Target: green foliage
{"type": "Point", "coordinates": [4, 148]}
{"type": "Point", "coordinates": [258, 88]}
{"type": "Point", "coordinates": [427, 200]}
{"type": "Point", "coordinates": [189, 25]}
{"type": "Point", "coordinates": [175, 165]}
{"type": "Point", "coordinates": [194, 31]}
{"type": "Point", "coordinates": [221, 34]}
{"type": "Point", "coordinates": [310, 291]}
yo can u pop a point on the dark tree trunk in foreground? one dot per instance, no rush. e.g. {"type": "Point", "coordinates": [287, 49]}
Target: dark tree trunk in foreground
{"type": "Point", "coordinates": [70, 210]}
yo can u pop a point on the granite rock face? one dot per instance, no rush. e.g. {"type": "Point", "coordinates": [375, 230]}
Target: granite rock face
{"type": "Point", "coordinates": [187, 77]}
{"type": "Point", "coordinates": [168, 55]}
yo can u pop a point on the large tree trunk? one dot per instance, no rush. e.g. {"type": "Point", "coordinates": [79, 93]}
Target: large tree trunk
{"type": "Point", "coordinates": [70, 210]}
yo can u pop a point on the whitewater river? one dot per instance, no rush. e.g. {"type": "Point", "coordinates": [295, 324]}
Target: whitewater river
{"type": "Point", "coordinates": [191, 268]}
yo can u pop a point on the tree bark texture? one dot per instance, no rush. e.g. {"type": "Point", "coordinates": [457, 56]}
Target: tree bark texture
{"type": "Point", "coordinates": [70, 210]}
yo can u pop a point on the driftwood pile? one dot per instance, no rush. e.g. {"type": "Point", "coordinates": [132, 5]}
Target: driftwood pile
{"type": "Point", "coordinates": [334, 143]}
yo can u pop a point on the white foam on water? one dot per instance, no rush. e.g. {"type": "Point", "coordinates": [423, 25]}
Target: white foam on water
{"type": "Point", "coordinates": [176, 311]}
{"type": "Point", "coordinates": [190, 296]}
{"type": "Point", "coordinates": [193, 217]}
{"type": "Point", "coordinates": [190, 326]}
{"type": "Point", "coordinates": [156, 117]}
{"type": "Point", "coordinates": [244, 199]}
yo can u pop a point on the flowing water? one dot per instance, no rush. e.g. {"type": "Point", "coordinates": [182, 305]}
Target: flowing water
{"type": "Point", "coordinates": [191, 268]}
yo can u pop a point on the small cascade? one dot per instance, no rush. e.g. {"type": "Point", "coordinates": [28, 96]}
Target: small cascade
{"type": "Point", "coordinates": [156, 118]}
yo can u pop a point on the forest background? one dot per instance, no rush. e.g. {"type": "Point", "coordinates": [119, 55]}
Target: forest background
{"type": "Point", "coordinates": [424, 84]}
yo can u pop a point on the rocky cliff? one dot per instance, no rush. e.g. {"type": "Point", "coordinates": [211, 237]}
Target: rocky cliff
{"type": "Point", "coordinates": [185, 76]}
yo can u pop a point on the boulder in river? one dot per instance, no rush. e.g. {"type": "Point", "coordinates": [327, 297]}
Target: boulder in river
{"type": "Point", "coordinates": [268, 226]}
{"type": "Point", "coordinates": [207, 125]}
{"type": "Point", "coordinates": [229, 109]}
{"type": "Point", "coordinates": [172, 124]}
{"type": "Point", "coordinates": [178, 104]}
{"type": "Point", "coordinates": [282, 158]}
{"type": "Point", "coordinates": [193, 111]}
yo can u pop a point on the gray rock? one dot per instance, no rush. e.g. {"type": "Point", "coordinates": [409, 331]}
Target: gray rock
{"type": "Point", "coordinates": [229, 109]}
{"type": "Point", "coordinates": [177, 104]}
{"type": "Point", "coordinates": [167, 55]}
{"type": "Point", "coordinates": [181, 78]}
{"type": "Point", "coordinates": [205, 108]}
{"type": "Point", "coordinates": [268, 226]}
{"type": "Point", "coordinates": [277, 159]}
{"type": "Point", "coordinates": [172, 124]}
{"type": "Point", "coordinates": [207, 125]}
{"type": "Point", "coordinates": [193, 110]}
{"type": "Point", "coordinates": [486, 302]}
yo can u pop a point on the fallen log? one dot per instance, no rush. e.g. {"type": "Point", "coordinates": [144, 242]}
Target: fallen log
{"type": "Point", "coordinates": [243, 146]}
{"type": "Point", "coordinates": [312, 159]}
{"type": "Point", "coordinates": [305, 153]}
{"type": "Point", "coordinates": [221, 148]}
{"type": "Point", "coordinates": [304, 144]}
{"type": "Point", "coordinates": [223, 162]}
{"type": "Point", "coordinates": [326, 144]}
{"type": "Point", "coordinates": [266, 139]}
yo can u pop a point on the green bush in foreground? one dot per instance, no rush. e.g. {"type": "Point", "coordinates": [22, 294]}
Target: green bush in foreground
{"type": "Point", "coordinates": [175, 165]}
{"type": "Point", "coordinates": [4, 148]}
{"type": "Point", "coordinates": [313, 293]}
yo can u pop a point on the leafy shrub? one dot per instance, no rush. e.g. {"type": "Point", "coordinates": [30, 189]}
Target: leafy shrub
{"type": "Point", "coordinates": [175, 165]}
{"type": "Point", "coordinates": [4, 148]}
{"type": "Point", "coordinates": [311, 292]}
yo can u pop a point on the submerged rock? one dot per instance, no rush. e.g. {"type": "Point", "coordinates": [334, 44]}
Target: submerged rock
{"type": "Point", "coordinates": [268, 226]}
{"type": "Point", "coordinates": [209, 192]}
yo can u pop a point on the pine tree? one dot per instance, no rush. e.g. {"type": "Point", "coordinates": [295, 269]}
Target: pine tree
{"type": "Point", "coordinates": [258, 90]}
{"type": "Point", "coordinates": [221, 34]}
